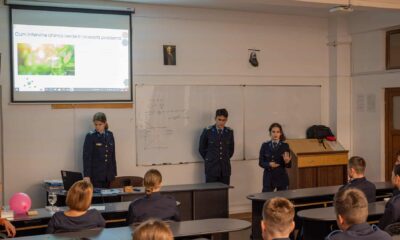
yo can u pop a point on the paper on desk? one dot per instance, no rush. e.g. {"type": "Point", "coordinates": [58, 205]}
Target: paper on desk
{"type": "Point", "coordinates": [98, 207]}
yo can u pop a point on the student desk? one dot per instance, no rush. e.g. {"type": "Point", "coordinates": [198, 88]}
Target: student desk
{"type": "Point", "coordinates": [191, 228]}
{"type": "Point", "coordinates": [114, 213]}
{"type": "Point", "coordinates": [303, 199]}
{"type": "Point", "coordinates": [197, 201]}
{"type": "Point", "coordinates": [317, 223]}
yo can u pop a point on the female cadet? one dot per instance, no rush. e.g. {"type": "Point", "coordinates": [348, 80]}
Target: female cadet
{"type": "Point", "coordinates": [153, 205]}
{"type": "Point", "coordinates": [275, 158]}
{"type": "Point", "coordinates": [99, 164]}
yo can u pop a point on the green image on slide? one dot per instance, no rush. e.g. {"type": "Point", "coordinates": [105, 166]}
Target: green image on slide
{"type": "Point", "coordinates": [46, 59]}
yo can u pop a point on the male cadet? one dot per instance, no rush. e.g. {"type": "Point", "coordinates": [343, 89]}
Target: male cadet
{"type": "Point", "coordinates": [216, 147]}
{"type": "Point", "coordinates": [356, 170]}
{"type": "Point", "coordinates": [392, 208]}
{"type": "Point", "coordinates": [351, 208]}
{"type": "Point", "coordinates": [277, 223]}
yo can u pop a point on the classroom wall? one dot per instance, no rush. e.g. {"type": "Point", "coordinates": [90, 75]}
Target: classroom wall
{"type": "Point", "coordinates": [369, 79]}
{"type": "Point", "coordinates": [211, 49]}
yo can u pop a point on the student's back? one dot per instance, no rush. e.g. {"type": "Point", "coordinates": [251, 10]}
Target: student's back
{"type": "Point", "coordinates": [367, 187]}
{"type": "Point", "coordinates": [154, 204]}
{"type": "Point", "coordinates": [62, 223]}
{"type": "Point", "coordinates": [362, 231]}
{"type": "Point", "coordinates": [392, 208]}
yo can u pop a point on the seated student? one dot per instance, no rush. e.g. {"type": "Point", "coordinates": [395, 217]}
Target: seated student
{"type": "Point", "coordinates": [351, 208]}
{"type": "Point", "coordinates": [10, 229]}
{"type": "Point", "coordinates": [277, 223]}
{"type": "Point", "coordinates": [153, 205]}
{"type": "Point", "coordinates": [77, 217]}
{"type": "Point", "coordinates": [392, 208]}
{"type": "Point", "coordinates": [153, 230]}
{"type": "Point", "coordinates": [397, 162]}
{"type": "Point", "coordinates": [356, 170]}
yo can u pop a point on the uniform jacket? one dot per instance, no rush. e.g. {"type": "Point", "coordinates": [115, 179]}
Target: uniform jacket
{"type": "Point", "coordinates": [268, 153]}
{"type": "Point", "coordinates": [367, 187]}
{"type": "Point", "coordinates": [155, 205]}
{"type": "Point", "coordinates": [217, 150]}
{"type": "Point", "coordinates": [362, 231]}
{"type": "Point", "coordinates": [99, 156]}
{"type": "Point", "coordinates": [392, 212]}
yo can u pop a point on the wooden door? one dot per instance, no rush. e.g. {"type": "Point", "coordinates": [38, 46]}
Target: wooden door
{"type": "Point", "coordinates": [392, 128]}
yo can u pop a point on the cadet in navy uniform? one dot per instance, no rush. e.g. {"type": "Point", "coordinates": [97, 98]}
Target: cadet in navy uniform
{"type": "Point", "coordinates": [351, 208]}
{"type": "Point", "coordinates": [392, 208]}
{"type": "Point", "coordinates": [275, 158]}
{"type": "Point", "coordinates": [99, 164]}
{"type": "Point", "coordinates": [356, 169]}
{"type": "Point", "coordinates": [217, 146]}
{"type": "Point", "coordinates": [153, 205]}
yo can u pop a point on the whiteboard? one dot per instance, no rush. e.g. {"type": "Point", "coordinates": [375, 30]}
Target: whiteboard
{"type": "Point", "coordinates": [171, 118]}
{"type": "Point", "coordinates": [295, 107]}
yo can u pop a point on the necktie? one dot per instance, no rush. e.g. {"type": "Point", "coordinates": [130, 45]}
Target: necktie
{"type": "Point", "coordinates": [275, 144]}
{"type": "Point", "coordinates": [219, 131]}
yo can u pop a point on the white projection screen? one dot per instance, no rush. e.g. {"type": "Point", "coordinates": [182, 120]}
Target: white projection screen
{"type": "Point", "coordinates": [70, 55]}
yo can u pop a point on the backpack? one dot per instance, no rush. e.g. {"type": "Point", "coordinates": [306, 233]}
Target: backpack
{"type": "Point", "coordinates": [319, 132]}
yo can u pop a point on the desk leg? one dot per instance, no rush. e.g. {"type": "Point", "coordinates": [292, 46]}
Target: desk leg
{"type": "Point", "coordinates": [257, 207]}
{"type": "Point", "coordinates": [211, 204]}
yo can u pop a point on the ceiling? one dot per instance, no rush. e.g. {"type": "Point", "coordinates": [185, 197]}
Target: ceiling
{"type": "Point", "coordinates": [300, 7]}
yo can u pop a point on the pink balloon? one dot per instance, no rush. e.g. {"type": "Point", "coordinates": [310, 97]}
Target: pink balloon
{"type": "Point", "coordinates": [20, 203]}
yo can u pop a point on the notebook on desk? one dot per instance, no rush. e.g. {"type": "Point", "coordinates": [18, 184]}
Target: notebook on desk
{"type": "Point", "coordinates": [69, 178]}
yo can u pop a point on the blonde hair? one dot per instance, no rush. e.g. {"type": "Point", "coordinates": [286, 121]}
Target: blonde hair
{"type": "Point", "coordinates": [153, 230]}
{"type": "Point", "coordinates": [152, 179]}
{"type": "Point", "coordinates": [278, 213]}
{"type": "Point", "coordinates": [79, 196]}
{"type": "Point", "coordinates": [352, 205]}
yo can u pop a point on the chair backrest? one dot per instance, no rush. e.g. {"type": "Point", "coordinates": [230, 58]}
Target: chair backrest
{"type": "Point", "coordinates": [393, 229]}
{"type": "Point", "coordinates": [120, 182]}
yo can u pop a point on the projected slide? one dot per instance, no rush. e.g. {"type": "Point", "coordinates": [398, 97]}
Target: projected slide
{"type": "Point", "coordinates": [70, 59]}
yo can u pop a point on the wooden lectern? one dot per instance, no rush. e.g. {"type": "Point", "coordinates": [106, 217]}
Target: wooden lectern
{"type": "Point", "coordinates": [317, 163]}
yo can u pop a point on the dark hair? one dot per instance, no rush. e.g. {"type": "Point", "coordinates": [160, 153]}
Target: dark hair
{"type": "Point", "coordinates": [358, 164]}
{"type": "Point", "coordinates": [396, 170]}
{"type": "Point", "coordinates": [352, 205]}
{"type": "Point", "coordinates": [398, 153]}
{"type": "Point", "coordinates": [101, 117]}
{"type": "Point", "coordinates": [274, 125]}
{"type": "Point", "coordinates": [221, 112]}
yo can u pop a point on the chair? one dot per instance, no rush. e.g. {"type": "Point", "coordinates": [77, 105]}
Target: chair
{"type": "Point", "coordinates": [120, 182]}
